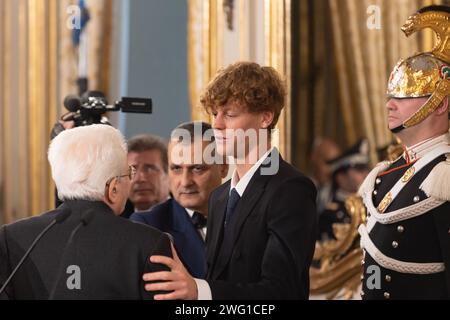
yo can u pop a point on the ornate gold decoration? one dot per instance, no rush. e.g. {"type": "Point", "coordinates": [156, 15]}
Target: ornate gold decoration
{"type": "Point", "coordinates": [340, 268]}
{"type": "Point", "coordinates": [385, 202]}
{"type": "Point", "coordinates": [438, 21]}
{"type": "Point", "coordinates": [442, 91]}
{"type": "Point", "coordinates": [414, 77]}
{"type": "Point", "coordinates": [421, 75]}
{"type": "Point", "coordinates": [408, 174]}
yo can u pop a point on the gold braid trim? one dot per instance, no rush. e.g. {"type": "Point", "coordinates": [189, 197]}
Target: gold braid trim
{"type": "Point", "coordinates": [442, 90]}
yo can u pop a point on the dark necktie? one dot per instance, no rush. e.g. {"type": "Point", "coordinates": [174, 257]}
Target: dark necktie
{"type": "Point", "coordinates": [233, 200]}
{"type": "Point", "coordinates": [198, 220]}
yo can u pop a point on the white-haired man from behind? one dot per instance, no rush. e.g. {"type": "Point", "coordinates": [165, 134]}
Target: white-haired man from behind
{"type": "Point", "coordinates": [94, 171]}
{"type": "Point", "coordinates": [89, 252]}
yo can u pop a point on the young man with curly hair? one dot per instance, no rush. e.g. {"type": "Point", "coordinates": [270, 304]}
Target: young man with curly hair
{"type": "Point", "coordinates": [261, 223]}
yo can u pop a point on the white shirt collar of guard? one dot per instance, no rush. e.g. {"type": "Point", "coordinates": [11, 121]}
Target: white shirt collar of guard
{"type": "Point", "coordinates": [418, 150]}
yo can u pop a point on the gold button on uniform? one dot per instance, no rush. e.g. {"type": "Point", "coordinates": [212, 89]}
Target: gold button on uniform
{"type": "Point", "coordinates": [387, 295]}
{"type": "Point", "coordinates": [394, 244]}
{"type": "Point", "coordinates": [400, 229]}
{"type": "Point", "coordinates": [388, 278]}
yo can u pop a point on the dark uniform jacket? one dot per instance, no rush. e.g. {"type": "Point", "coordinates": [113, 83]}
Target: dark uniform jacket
{"type": "Point", "coordinates": [420, 242]}
{"type": "Point", "coordinates": [105, 259]}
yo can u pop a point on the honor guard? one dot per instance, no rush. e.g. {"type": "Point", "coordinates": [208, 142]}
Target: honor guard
{"type": "Point", "coordinates": [406, 239]}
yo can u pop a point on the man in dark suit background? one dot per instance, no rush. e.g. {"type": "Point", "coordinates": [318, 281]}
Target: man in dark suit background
{"type": "Point", "coordinates": [150, 185]}
{"type": "Point", "coordinates": [191, 182]}
{"type": "Point", "coordinates": [91, 253]}
{"type": "Point", "coordinates": [262, 224]}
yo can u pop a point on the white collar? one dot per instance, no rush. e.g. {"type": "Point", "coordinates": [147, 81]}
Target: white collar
{"type": "Point", "coordinates": [241, 184]}
{"type": "Point", "coordinates": [420, 149]}
{"type": "Point", "coordinates": [190, 212]}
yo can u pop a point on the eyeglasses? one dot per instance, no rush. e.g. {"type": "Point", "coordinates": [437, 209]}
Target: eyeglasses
{"type": "Point", "coordinates": [131, 173]}
{"type": "Point", "coordinates": [147, 169]}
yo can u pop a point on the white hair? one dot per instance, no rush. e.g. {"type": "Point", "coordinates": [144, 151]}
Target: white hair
{"type": "Point", "coordinates": [83, 159]}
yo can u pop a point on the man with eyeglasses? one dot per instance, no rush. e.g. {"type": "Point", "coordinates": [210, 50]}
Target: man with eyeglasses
{"type": "Point", "coordinates": [150, 186]}
{"type": "Point", "coordinates": [88, 252]}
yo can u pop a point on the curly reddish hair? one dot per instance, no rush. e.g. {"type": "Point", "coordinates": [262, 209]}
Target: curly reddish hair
{"type": "Point", "coordinates": [255, 87]}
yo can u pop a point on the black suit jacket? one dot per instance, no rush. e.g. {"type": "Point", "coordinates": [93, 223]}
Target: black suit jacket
{"type": "Point", "coordinates": [111, 253]}
{"type": "Point", "coordinates": [273, 237]}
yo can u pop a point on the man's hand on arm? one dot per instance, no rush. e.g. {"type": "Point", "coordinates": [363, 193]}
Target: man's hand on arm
{"type": "Point", "coordinates": [178, 280]}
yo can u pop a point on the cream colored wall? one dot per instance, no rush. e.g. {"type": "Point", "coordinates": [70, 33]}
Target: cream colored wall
{"type": "Point", "coordinates": [246, 40]}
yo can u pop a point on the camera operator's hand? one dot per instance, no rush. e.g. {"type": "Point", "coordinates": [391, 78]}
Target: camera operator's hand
{"type": "Point", "coordinates": [60, 126]}
{"type": "Point", "coordinates": [178, 282]}
{"type": "Point", "coordinates": [67, 124]}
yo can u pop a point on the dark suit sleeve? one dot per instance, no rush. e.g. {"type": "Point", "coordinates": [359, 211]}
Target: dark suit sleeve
{"type": "Point", "coordinates": [5, 268]}
{"type": "Point", "coordinates": [442, 221]}
{"type": "Point", "coordinates": [162, 248]}
{"type": "Point", "coordinates": [292, 226]}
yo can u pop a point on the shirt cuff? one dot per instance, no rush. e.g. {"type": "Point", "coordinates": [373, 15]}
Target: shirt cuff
{"type": "Point", "coordinates": [204, 291]}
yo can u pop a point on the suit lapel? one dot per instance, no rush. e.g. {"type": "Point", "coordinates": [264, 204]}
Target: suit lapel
{"type": "Point", "coordinates": [253, 192]}
{"type": "Point", "coordinates": [247, 203]}
{"type": "Point", "coordinates": [186, 237]}
{"type": "Point", "coordinates": [183, 224]}
{"type": "Point", "coordinates": [215, 227]}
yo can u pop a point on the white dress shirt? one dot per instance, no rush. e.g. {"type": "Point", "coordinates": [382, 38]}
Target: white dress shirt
{"type": "Point", "coordinates": [204, 291]}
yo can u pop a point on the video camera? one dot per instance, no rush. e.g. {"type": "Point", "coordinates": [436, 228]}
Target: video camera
{"type": "Point", "coordinates": [92, 105]}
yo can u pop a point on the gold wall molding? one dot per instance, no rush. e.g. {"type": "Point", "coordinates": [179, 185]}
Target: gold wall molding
{"type": "Point", "coordinates": [277, 21]}
{"type": "Point", "coordinates": [205, 53]}
{"type": "Point", "coordinates": [38, 68]}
